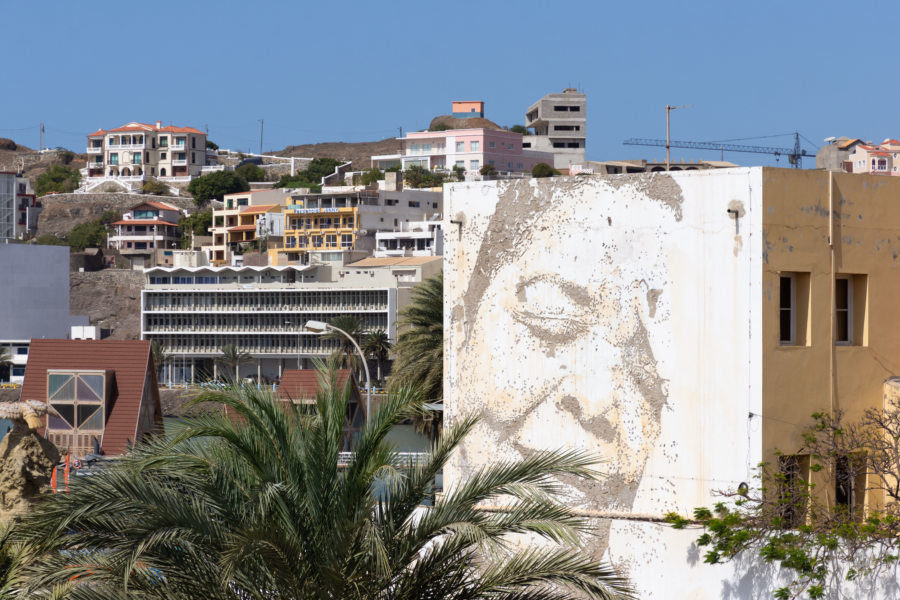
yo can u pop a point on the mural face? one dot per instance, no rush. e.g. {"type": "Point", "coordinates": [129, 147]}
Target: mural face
{"type": "Point", "coordinates": [557, 353]}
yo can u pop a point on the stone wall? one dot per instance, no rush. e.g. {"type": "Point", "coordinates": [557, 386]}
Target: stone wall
{"type": "Point", "coordinates": [62, 212]}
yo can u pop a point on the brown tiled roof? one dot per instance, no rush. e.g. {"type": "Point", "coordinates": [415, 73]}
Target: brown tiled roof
{"type": "Point", "coordinates": [143, 222]}
{"type": "Point", "coordinates": [302, 384]}
{"type": "Point", "coordinates": [131, 364]}
{"type": "Point", "coordinates": [160, 205]}
{"type": "Point", "coordinates": [242, 228]}
{"type": "Point", "coordinates": [259, 209]}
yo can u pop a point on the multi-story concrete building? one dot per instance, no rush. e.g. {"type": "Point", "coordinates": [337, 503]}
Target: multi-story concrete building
{"type": "Point", "coordinates": [559, 122]}
{"type": "Point", "coordinates": [619, 167]}
{"type": "Point", "coordinates": [7, 205]}
{"type": "Point", "coordinates": [235, 224]}
{"type": "Point", "coordinates": [135, 151]}
{"type": "Point", "coordinates": [145, 229]}
{"type": "Point", "coordinates": [194, 312]}
{"type": "Point", "coordinates": [417, 238]}
{"type": "Point", "coordinates": [349, 218]}
{"type": "Point", "coordinates": [34, 297]}
{"type": "Point", "coordinates": [834, 155]}
{"type": "Point", "coordinates": [470, 149]}
{"type": "Point", "coordinates": [27, 207]}
{"type": "Point", "coordinates": [682, 327]}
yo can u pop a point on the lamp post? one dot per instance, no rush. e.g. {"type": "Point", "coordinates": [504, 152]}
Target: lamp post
{"type": "Point", "coordinates": [320, 327]}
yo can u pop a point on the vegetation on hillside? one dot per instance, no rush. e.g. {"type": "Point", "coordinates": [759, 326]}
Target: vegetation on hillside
{"type": "Point", "coordinates": [197, 223]}
{"type": "Point", "coordinates": [215, 185]}
{"type": "Point", "coordinates": [250, 172]}
{"type": "Point", "coordinates": [93, 233]}
{"type": "Point", "coordinates": [59, 179]}
{"type": "Point", "coordinates": [155, 187]}
{"type": "Point", "coordinates": [420, 177]}
{"type": "Point", "coordinates": [311, 177]}
{"type": "Point", "coordinates": [543, 170]}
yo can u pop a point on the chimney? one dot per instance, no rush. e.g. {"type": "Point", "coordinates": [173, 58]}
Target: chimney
{"type": "Point", "coordinates": [158, 124]}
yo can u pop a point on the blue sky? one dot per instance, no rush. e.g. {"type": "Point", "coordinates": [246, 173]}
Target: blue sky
{"type": "Point", "coordinates": [356, 71]}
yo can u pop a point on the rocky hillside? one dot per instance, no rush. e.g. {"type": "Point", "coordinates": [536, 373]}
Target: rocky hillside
{"type": "Point", "coordinates": [62, 212]}
{"type": "Point", "coordinates": [360, 153]}
{"type": "Point", "coordinates": [111, 298]}
{"type": "Point", "coordinates": [14, 156]}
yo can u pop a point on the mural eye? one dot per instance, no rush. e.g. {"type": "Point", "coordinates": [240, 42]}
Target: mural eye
{"type": "Point", "coordinates": [550, 306]}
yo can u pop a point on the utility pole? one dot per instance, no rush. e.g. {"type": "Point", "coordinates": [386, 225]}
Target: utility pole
{"type": "Point", "coordinates": [41, 142]}
{"type": "Point", "coordinates": [668, 110]}
{"type": "Point", "coordinates": [400, 129]}
{"type": "Point", "coordinates": [261, 123]}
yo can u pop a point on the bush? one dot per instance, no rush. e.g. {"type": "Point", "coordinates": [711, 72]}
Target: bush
{"type": "Point", "coordinates": [154, 187]}
{"type": "Point", "coordinates": [66, 157]}
{"type": "Point", "coordinates": [87, 235]}
{"type": "Point", "coordinates": [488, 170]}
{"type": "Point", "coordinates": [543, 170]}
{"type": "Point", "coordinates": [197, 223]}
{"type": "Point", "coordinates": [251, 172]}
{"type": "Point", "coordinates": [215, 185]}
{"type": "Point", "coordinates": [460, 172]}
{"type": "Point", "coordinates": [297, 181]}
{"type": "Point", "coordinates": [57, 179]}
{"type": "Point", "coordinates": [211, 145]}
{"type": "Point", "coordinates": [371, 176]}
{"type": "Point", "coordinates": [439, 127]}
{"type": "Point", "coordinates": [48, 239]}
{"type": "Point", "coordinates": [520, 129]}
{"type": "Point", "coordinates": [419, 177]}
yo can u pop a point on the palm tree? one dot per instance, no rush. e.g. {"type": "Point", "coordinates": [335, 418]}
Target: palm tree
{"type": "Point", "coordinates": [346, 351]}
{"type": "Point", "coordinates": [419, 351]}
{"type": "Point", "coordinates": [260, 507]}
{"type": "Point", "coordinates": [377, 344]}
{"type": "Point", "coordinates": [6, 361]}
{"type": "Point", "coordinates": [233, 358]}
{"type": "Point", "coordinates": [160, 357]}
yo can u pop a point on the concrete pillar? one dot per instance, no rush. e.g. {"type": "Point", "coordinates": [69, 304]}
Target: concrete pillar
{"type": "Point", "coordinates": [258, 372]}
{"type": "Point", "coordinates": [192, 369]}
{"type": "Point", "coordinates": [215, 370]}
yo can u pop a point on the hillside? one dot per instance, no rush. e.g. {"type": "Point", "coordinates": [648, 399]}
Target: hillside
{"type": "Point", "coordinates": [360, 153]}
{"type": "Point", "coordinates": [13, 155]}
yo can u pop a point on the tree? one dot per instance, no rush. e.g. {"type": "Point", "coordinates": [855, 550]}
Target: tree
{"type": "Point", "coordinates": [87, 235]}
{"type": "Point", "coordinates": [211, 145]}
{"type": "Point", "coordinates": [488, 170]}
{"type": "Point", "coordinates": [251, 172]}
{"type": "Point", "coordinates": [460, 172]}
{"type": "Point", "coordinates": [215, 185]}
{"type": "Point", "coordinates": [371, 176]}
{"type": "Point", "coordinates": [439, 127]}
{"type": "Point", "coordinates": [520, 129]}
{"type": "Point", "coordinates": [419, 351]}
{"type": "Point", "coordinates": [543, 170]}
{"type": "Point", "coordinates": [807, 513]}
{"type": "Point", "coordinates": [320, 167]}
{"type": "Point", "coordinates": [57, 179]}
{"type": "Point", "coordinates": [258, 504]}
{"type": "Point", "coordinates": [233, 358]}
{"type": "Point", "coordinates": [155, 187]}
{"type": "Point", "coordinates": [6, 362]}
{"type": "Point", "coordinates": [346, 352]}
{"type": "Point", "coordinates": [298, 181]}
{"type": "Point", "coordinates": [377, 345]}
{"type": "Point", "coordinates": [418, 177]}
{"type": "Point", "coordinates": [48, 239]}
{"type": "Point", "coordinates": [197, 223]}
{"type": "Point", "coordinates": [160, 357]}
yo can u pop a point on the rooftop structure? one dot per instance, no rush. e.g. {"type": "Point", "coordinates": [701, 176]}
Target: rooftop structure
{"type": "Point", "coordinates": [835, 153]}
{"type": "Point", "coordinates": [469, 149]}
{"type": "Point", "coordinates": [103, 394]}
{"type": "Point", "coordinates": [559, 122]}
{"type": "Point", "coordinates": [617, 167]}
{"type": "Point", "coordinates": [467, 109]}
{"type": "Point", "coordinates": [417, 238]}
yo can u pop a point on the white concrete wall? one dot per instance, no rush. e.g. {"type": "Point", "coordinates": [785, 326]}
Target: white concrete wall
{"type": "Point", "coordinates": [619, 315]}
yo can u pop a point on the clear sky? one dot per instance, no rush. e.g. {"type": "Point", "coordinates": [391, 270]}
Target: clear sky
{"type": "Point", "coordinates": [356, 71]}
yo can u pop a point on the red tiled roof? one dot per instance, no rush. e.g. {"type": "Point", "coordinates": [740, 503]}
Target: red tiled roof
{"type": "Point", "coordinates": [131, 364]}
{"type": "Point", "coordinates": [242, 228]}
{"type": "Point", "coordinates": [146, 127]}
{"type": "Point", "coordinates": [259, 209]}
{"type": "Point", "coordinates": [144, 222]}
{"type": "Point", "coordinates": [160, 205]}
{"type": "Point", "coordinates": [303, 384]}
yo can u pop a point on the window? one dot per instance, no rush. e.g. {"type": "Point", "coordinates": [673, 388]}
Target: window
{"type": "Point", "coordinates": [136, 159]}
{"type": "Point", "coordinates": [192, 158]}
{"type": "Point", "coordinates": [573, 145]}
{"type": "Point", "coordinates": [162, 156]}
{"type": "Point", "coordinates": [510, 147]}
{"type": "Point", "coordinates": [346, 241]}
{"type": "Point", "coordinates": [575, 108]}
{"type": "Point", "coordinates": [163, 141]}
{"type": "Point", "coordinates": [519, 166]}
{"type": "Point", "coordinates": [794, 489]}
{"type": "Point", "coordinates": [560, 108]}
{"type": "Point", "coordinates": [414, 204]}
{"type": "Point", "coordinates": [559, 144]}
{"type": "Point", "coordinates": [18, 371]}
{"type": "Point", "coordinates": [331, 241]}
{"type": "Point", "coordinates": [490, 144]}
{"type": "Point", "coordinates": [566, 128]}
{"type": "Point", "coordinates": [114, 158]}
{"type": "Point", "coordinates": [850, 483]}
{"type": "Point", "coordinates": [20, 350]}
{"type": "Point", "coordinates": [473, 165]}
{"type": "Point", "coordinates": [460, 146]}
{"type": "Point", "coordinates": [461, 163]}
{"type": "Point", "coordinates": [843, 309]}
{"type": "Point", "coordinates": [474, 146]}
{"type": "Point", "coordinates": [193, 142]}
{"type": "Point", "coordinates": [414, 148]}
{"type": "Point", "coordinates": [390, 202]}
{"type": "Point", "coordinates": [526, 144]}
{"type": "Point", "coordinates": [787, 308]}
{"type": "Point", "coordinates": [182, 156]}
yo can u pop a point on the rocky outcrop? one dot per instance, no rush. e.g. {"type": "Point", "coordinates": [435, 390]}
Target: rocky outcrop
{"type": "Point", "coordinates": [111, 298]}
{"type": "Point", "coordinates": [27, 459]}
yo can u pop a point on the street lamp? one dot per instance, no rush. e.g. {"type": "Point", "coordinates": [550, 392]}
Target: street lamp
{"type": "Point", "coordinates": [321, 327]}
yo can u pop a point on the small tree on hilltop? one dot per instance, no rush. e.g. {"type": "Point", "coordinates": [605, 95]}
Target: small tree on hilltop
{"type": "Point", "coordinates": [215, 185]}
{"type": "Point", "coordinates": [488, 170]}
{"type": "Point", "coordinates": [520, 129]}
{"type": "Point", "coordinates": [251, 172]}
{"type": "Point", "coordinates": [543, 170]}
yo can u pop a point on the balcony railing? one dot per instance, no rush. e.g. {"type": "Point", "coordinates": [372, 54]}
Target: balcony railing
{"type": "Point", "coordinates": [126, 146]}
{"type": "Point", "coordinates": [95, 165]}
{"type": "Point", "coordinates": [179, 163]}
{"type": "Point", "coordinates": [93, 150]}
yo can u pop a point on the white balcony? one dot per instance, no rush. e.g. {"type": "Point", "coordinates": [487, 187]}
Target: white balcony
{"type": "Point", "coordinates": [95, 150]}
{"type": "Point", "coordinates": [179, 163]}
{"type": "Point", "coordinates": [95, 165]}
{"type": "Point", "coordinates": [126, 146]}
{"type": "Point", "coordinates": [178, 147]}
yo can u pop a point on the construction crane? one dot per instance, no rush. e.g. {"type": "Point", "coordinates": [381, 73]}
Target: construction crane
{"type": "Point", "coordinates": [794, 154]}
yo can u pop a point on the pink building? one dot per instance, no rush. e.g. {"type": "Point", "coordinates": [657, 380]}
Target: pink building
{"type": "Point", "coordinates": [467, 148]}
{"type": "Point", "coordinates": [875, 159]}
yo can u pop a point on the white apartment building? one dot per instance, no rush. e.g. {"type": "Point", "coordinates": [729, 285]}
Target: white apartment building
{"type": "Point", "coordinates": [135, 151]}
{"type": "Point", "coordinates": [559, 122]}
{"type": "Point", "coordinates": [417, 238]}
{"type": "Point", "coordinates": [195, 311]}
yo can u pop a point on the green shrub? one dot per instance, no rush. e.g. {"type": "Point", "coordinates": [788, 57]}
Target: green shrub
{"type": "Point", "coordinates": [57, 179]}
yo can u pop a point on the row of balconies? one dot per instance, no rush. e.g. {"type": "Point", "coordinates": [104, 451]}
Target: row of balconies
{"type": "Point", "coordinates": [287, 308]}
